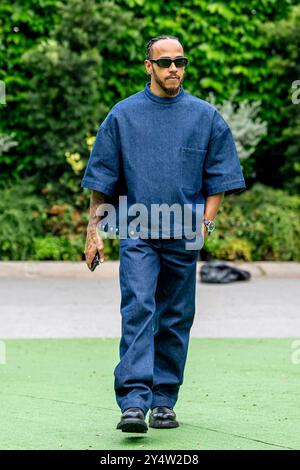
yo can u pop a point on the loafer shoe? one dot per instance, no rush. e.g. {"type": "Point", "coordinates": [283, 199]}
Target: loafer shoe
{"type": "Point", "coordinates": [163, 417]}
{"type": "Point", "coordinates": [133, 420]}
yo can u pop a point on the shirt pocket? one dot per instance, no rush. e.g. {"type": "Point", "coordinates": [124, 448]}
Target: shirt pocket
{"type": "Point", "coordinates": [191, 168]}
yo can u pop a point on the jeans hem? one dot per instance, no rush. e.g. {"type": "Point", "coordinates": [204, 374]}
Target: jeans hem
{"type": "Point", "coordinates": [162, 403]}
{"type": "Point", "coordinates": [134, 404]}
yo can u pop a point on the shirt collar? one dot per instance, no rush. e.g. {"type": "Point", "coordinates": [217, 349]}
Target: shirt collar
{"type": "Point", "coordinates": [159, 99]}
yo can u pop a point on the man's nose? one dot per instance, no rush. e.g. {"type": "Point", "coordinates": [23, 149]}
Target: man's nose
{"type": "Point", "coordinates": [173, 66]}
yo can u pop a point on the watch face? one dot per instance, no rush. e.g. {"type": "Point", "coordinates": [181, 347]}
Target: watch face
{"type": "Point", "coordinates": [210, 225]}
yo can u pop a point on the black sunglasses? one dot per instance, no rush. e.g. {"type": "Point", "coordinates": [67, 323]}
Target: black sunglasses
{"type": "Point", "coordinates": [165, 63]}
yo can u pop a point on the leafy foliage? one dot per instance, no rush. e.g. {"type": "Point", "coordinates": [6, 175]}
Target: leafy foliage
{"type": "Point", "coordinates": [6, 142]}
{"type": "Point", "coordinates": [22, 25]}
{"type": "Point", "coordinates": [22, 218]}
{"type": "Point", "coordinates": [245, 123]}
{"type": "Point", "coordinates": [284, 37]}
{"type": "Point", "coordinates": [260, 224]}
{"type": "Point", "coordinates": [70, 78]}
{"type": "Point", "coordinates": [65, 64]}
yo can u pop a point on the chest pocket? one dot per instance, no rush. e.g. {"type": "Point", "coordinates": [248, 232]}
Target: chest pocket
{"type": "Point", "coordinates": [191, 168]}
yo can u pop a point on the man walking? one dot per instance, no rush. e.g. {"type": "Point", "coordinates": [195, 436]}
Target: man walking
{"type": "Point", "coordinates": [160, 146]}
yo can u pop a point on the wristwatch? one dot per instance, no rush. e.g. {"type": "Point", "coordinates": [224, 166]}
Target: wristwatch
{"type": "Point", "coordinates": [210, 225]}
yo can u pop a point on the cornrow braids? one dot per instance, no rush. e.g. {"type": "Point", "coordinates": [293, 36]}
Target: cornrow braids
{"type": "Point", "coordinates": [152, 41]}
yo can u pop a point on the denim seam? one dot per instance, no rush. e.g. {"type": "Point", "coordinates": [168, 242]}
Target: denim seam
{"type": "Point", "coordinates": [104, 187]}
{"type": "Point", "coordinates": [225, 184]}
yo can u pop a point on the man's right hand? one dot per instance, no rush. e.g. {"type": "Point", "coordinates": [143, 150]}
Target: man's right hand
{"type": "Point", "coordinates": [94, 243]}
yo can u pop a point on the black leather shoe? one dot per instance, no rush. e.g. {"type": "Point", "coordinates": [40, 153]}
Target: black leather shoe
{"type": "Point", "coordinates": [133, 420]}
{"type": "Point", "coordinates": [163, 417]}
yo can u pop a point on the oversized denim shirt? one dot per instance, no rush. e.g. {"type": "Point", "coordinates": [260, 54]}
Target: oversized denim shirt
{"type": "Point", "coordinates": [154, 150]}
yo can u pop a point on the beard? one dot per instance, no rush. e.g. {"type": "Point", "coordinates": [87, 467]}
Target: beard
{"type": "Point", "coordinates": [169, 90]}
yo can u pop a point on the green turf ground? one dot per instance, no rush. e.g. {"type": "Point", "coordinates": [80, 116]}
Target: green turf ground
{"type": "Point", "coordinates": [237, 394]}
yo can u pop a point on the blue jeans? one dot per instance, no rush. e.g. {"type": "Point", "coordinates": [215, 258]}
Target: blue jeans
{"type": "Point", "coordinates": [157, 282]}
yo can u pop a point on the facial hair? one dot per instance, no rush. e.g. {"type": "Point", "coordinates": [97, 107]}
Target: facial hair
{"type": "Point", "coordinates": [170, 91]}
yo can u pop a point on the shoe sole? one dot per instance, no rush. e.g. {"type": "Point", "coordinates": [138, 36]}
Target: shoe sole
{"type": "Point", "coordinates": [133, 425]}
{"type": "Point", "coordinates": [163, 424]}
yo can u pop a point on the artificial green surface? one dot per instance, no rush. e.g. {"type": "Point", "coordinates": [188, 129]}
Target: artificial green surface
{"type": "Point", "coordinates": [237, 394]}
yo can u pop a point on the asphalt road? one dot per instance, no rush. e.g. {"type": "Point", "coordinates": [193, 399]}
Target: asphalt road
{"type": "Point", "coordinates": [54, 307]}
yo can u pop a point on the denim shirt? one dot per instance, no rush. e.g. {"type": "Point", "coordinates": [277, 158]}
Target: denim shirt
{"type": "Point", "coordinates": [154, 150]}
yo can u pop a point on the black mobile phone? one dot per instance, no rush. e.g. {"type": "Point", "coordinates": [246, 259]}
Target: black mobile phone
{"type": "Point", "coordinates": [95, 262]}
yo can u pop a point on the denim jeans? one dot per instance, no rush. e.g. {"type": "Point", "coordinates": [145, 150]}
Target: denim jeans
{"type": "Point", "coordinates": [157, 282]}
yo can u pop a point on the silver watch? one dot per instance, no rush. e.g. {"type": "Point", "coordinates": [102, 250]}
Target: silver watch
{"type": "Point", "coordinates": [210, 225]}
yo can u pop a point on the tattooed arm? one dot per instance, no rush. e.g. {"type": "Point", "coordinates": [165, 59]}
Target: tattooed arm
{"type": "Point", "coordinates": [94, 242]}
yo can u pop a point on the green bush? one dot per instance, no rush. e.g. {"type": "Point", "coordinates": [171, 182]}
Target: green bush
{"type": "Point", "coordinates": [58, 248]}
{"type": "Point", "coordinates": [231, 248]}
{"type": "Point", "coordinates": [22, 216]}
{"type": "Point", "coordinates": [260, 224]}
{"type": "Point", "coordinates": [61, 248]}
{"type": "Point", "coordinates": [70, 77]}
{"type": "Point", "coordinates": [65, 64]}
{"type": "Point", "coordinates": [284, 38]}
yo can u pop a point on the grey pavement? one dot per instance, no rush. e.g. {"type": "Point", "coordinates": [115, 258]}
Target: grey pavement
{"type": "Point", "coordinates": [74, 303]}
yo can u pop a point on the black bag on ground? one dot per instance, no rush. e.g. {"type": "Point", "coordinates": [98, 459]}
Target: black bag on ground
{"type": "Point", "coordinates": [220, 272]}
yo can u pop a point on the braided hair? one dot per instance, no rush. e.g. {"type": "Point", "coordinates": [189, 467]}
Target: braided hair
{"type": "Point", "coordinates": [153, 40]}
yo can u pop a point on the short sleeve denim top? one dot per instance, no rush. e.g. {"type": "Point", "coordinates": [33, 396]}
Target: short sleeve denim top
{"type": "Point", "coordinates": [160, 150]}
